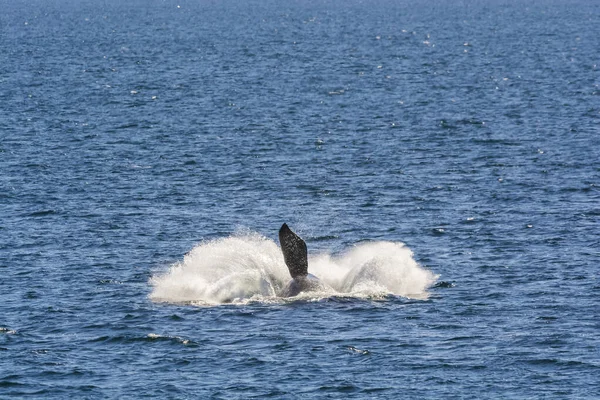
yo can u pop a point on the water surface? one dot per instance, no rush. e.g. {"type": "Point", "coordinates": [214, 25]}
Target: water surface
{"type": "Point", "coordinates": [132, 133]}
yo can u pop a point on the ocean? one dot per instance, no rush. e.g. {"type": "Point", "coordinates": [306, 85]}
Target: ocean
{"type": "Point", "coordinates": [439, 158]}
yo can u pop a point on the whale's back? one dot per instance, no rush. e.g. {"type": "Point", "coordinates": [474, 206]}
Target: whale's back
{"type": "Point", "coordinates": [308, 283]}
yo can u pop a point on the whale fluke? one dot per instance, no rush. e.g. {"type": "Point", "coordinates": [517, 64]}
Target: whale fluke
{"type": "Point", "coordinates": [294, 252]}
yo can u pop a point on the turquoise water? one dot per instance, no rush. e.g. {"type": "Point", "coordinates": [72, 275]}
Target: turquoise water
{"type": "Point", "coordinates": [440, 160]}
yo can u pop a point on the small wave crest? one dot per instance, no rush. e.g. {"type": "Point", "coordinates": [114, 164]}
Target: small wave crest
{"type": "Point", "coordinates": [250, 267]}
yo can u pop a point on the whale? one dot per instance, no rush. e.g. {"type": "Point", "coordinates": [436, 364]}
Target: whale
{"type": "Point", "coordinates": [295, 255]}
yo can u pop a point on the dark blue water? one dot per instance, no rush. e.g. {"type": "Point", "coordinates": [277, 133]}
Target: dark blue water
{"type": "Point", "coordinates": [134, 132]}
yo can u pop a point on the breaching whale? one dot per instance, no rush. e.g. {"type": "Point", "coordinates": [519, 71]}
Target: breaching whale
{"type": "Point", "coordinates": [295, 256]}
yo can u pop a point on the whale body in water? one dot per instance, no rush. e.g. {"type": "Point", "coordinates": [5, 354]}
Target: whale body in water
{"type": "Point", "coordinates": [295, 255]}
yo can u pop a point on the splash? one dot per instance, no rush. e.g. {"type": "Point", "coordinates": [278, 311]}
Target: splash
{"type": "Point", "coordinates": [250, 267]}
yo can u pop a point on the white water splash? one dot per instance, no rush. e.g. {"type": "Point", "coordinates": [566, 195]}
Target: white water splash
{"type": "Point", "coordinates": [250, 267]}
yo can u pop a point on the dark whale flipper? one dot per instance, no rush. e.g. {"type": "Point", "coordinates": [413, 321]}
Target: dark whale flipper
{"type": "Point", "coordinates": [294, 252]}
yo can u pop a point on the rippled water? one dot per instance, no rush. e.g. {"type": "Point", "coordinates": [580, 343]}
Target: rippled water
{"type": "Point", "coordinates": [440, 159]}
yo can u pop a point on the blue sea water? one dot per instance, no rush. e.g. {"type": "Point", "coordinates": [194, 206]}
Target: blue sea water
{"type": "Point", "coordinates": [441, 160]}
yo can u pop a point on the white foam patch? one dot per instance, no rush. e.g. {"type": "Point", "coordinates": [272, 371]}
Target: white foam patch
{"type": "Point", "coordinates": [250, 267]}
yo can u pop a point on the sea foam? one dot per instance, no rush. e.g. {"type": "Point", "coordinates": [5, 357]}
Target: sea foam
{"type": "Point", "coordinates": [250, 267]}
